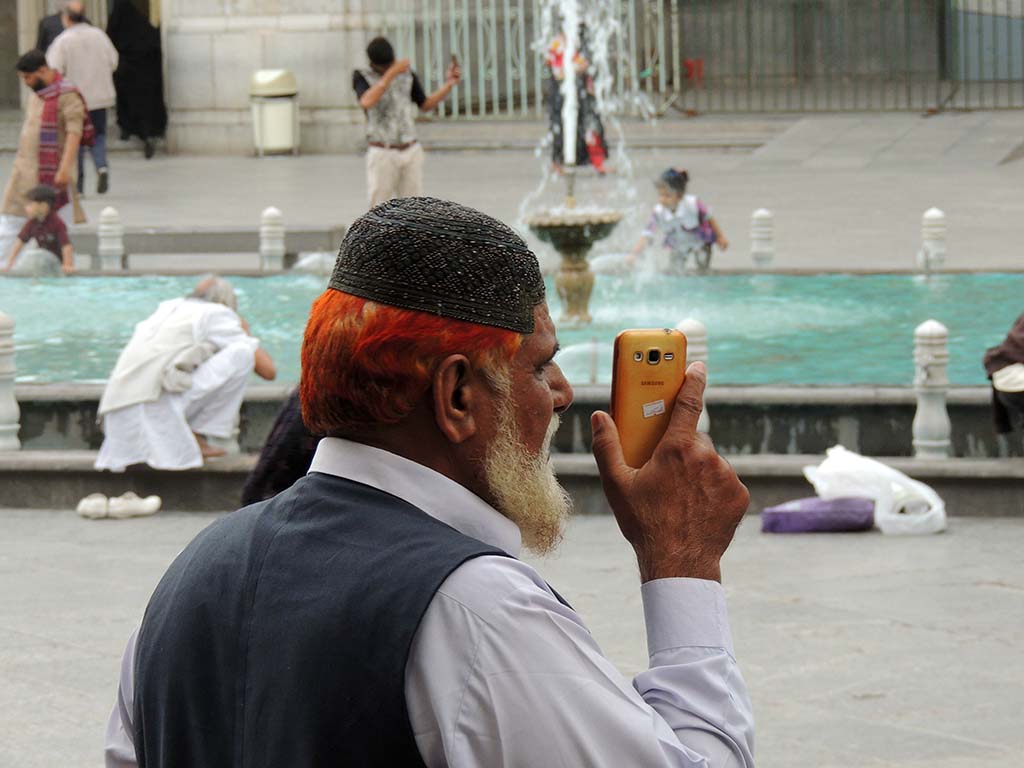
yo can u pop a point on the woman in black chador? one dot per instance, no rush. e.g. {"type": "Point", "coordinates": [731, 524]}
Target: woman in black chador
{"type": "Point", "coordinates": [139, 77]}
{"type": "Point", "coordinates": [590, 144]}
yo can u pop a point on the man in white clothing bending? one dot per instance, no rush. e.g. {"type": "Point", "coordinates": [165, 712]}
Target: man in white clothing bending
{"type": "Point", "coordinates": [180, 380]}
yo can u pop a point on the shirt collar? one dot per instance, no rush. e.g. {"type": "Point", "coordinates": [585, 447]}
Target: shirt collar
{"type": "Point", "coordinates": [439, 496]}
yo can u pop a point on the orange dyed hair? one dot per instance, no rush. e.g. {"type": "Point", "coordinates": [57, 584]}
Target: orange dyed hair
{"type": "Point", "coordinates": [367, 364]}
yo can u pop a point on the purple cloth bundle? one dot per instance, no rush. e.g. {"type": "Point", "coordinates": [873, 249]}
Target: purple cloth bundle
{"type": "Point", "coordinates": [813, 514]}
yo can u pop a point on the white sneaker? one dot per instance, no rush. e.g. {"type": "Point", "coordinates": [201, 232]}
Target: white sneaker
{"type": "Point", "coordinates": [93, 507]}
{"type": "Point", "coordinates": [130, 505]}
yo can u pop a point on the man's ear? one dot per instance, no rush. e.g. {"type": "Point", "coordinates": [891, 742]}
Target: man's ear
{"type": "Point", "coordinates": [458, 394]}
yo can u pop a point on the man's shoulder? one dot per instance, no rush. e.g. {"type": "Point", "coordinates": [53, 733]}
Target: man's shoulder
{"type": "Point", "coordinates": [70, 98]}
{"type": "Point", "coordinates": [486, 583]}
{"type": "Point", "coordinates": [211, 308]}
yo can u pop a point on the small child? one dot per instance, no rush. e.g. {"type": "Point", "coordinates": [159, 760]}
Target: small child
{"type": "Point", "coordinates": [46, 227]}
{"type": "Point", "coordinates": [684, 220]}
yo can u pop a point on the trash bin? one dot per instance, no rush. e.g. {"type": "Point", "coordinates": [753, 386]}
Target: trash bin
{"type": "Point", "coordinates": [274, 98]}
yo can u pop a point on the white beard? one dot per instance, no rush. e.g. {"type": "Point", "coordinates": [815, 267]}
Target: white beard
{"type": "Point", "coordinates": [524, 486]}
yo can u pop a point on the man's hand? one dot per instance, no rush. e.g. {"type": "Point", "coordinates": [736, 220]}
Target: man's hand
{"type": "Point", "coordinates": [68, 268]}
{"type": "Point", "coordinates": [61, 178]}
{"type": "Point", "coordinates": [454, 74]}
{"type": "Point", "coordinates": [398, 66]}
{"type": "Point", "coordinates": [723, 243]}
{"type": "Point", "coordinates": [680, 510]}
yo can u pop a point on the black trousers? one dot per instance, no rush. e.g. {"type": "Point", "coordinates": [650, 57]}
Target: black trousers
{"type": "Point", "coordinates": [1008, 410]}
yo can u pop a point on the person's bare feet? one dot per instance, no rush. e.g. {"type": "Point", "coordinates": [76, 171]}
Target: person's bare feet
{"type": "Point", "coordinates": [206, 450]}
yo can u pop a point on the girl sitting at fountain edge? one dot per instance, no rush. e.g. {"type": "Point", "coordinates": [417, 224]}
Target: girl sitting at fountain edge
{"type": "Point", "coordinates": [685, 223]}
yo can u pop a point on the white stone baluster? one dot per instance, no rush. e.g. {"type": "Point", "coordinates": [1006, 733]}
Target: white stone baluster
{"type": "Point", "coordinates": [696, 350]}
{"type": "Point", "coordinates": [110, 241]}
{"type": "Point", "coordinates": [762, 238]}
{"type": "Point", "coordinates": [933, 240]}
{"type": "Point", "coordinates": [271, 240]}
{"type": "Point", "coordinates": [931, 428]}
{"type": "Point", "coordinates": [10, 414]}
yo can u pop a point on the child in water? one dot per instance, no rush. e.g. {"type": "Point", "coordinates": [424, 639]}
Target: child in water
{"type": "Point", "coordinates": [684, 221]}
{"type": "Point", "coordinates": [45, 226]}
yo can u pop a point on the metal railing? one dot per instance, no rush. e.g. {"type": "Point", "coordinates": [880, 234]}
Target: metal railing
{"type": "Point", "coordinates": [729, 55]}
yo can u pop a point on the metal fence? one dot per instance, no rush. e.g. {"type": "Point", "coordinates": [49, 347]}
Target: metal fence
{"type": "Point", "coordinates": [728, 55]}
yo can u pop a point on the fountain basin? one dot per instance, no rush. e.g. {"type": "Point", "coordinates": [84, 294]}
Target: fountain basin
{"type": "Point", "coordinates": [762, 329]}
{"type": "Point", "coordinates": [573, 232]}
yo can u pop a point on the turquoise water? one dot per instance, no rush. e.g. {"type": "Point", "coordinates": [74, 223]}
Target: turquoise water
{"type": "Point", "coordinates": [763, 329]}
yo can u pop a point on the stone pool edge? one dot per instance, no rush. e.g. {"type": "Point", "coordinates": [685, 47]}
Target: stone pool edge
{"type": "Point", "coordinates": [58, 479]}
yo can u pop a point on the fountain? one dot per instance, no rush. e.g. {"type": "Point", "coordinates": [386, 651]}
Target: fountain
{"type": "Point", "coordinates": [572, 231]}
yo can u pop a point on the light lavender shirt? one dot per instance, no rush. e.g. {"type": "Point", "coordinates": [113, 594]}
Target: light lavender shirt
{"type": "Point", "coordinates": [501, 673]}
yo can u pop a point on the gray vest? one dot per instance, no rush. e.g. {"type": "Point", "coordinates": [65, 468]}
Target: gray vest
{"type": "Point", "coordinates": [392, 120]}
{"type": "Point", "coordinates": [280, 635]}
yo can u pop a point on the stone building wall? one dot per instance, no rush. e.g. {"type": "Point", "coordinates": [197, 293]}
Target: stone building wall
{"type": "Point", "coordinates": [212, 47]}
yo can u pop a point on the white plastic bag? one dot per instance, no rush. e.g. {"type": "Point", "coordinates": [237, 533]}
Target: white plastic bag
{"type": "Point", "coordinates": [902, 505]}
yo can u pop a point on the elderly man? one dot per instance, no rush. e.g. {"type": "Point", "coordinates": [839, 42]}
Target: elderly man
{"type": "Point", "coordinates": [375, 614]}
{"type": "Point", "coordinates": [180, 380]}
{"type": "Point", "coordinates": [84, 54]}
{"type": "Point", "coordinates": [55, 123]}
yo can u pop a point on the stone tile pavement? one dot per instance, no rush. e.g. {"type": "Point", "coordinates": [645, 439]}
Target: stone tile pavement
{"type": "Point", "coordinates": [848, 191]}
{"type": "Point", "coordinates": [858, 649]}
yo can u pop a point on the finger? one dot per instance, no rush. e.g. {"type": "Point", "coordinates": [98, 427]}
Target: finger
{"type": "Point", "coordinates": [689, 403]}
{"type": "Point", "coordinates": [607, 447]}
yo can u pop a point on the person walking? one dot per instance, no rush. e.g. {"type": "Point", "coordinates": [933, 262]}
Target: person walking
{"type": "Point", "coordinates": [390, 93]}
{"type": "Point", "coordinates": [85, 55]}
{"type": "Point", "coordinates": [49, 28]}
{"type": "Point", "coordinates": [139, 78]}
{"type": "Point", "coordinates": [56, 124]}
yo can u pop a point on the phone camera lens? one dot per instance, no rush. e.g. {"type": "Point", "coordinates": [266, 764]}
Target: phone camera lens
{"type": "Point", "coordinates": [654, 356]}
{"type": "Point", "coordinates": [638, 356]}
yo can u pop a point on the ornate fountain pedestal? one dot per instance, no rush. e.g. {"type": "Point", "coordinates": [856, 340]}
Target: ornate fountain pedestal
{"type": "Point", "coordinates": [573, 233]}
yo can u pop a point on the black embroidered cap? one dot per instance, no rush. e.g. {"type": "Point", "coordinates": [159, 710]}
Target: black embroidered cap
{"type": "Point", "coordinates": [444, 258]}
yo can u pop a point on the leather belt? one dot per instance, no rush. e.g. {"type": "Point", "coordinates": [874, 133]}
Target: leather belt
{"type": "Point", "coordinates": [391, 146]}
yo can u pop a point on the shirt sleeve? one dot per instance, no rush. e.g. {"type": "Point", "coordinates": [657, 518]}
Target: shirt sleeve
{"type": "Point", "coordinates": [112, 55]}
{"type": "Point", "coordinates": [359, 84]}
{"type": "Point", "coordinates": [222, 327]}
{"type": "Point", "coordinates": [72, 110]}
{"type": "Point", "coordinates": [526, 684]}
{"type": "Point", "coordinates": [417, 94]}
{"type": "Point", "coordinates": [60, 229]}
{"type": "Point", "coordinates": [118, 742]}
{"type": "Point", "coordinates": [652, 225]}
{"type": "Point", "coordinates": [55, 56]}
{"type": "Point", "coordinates": [26, 231]}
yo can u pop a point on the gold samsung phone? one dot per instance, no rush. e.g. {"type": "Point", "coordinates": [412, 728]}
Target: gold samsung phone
{"type": "Point", "coordinates": [648, 369]}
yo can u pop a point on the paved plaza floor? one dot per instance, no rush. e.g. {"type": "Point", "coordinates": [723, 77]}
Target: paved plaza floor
{"type": "Point", "coordinates": [847, 191]}
{"type": "Point", "coordinates": [859, 650]}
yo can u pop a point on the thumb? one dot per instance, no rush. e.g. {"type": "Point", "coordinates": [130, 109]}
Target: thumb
{"type": "Point", "coordinates": [689, 403]}
{"type": "Point", "coordinates": [607, 447]}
